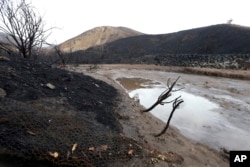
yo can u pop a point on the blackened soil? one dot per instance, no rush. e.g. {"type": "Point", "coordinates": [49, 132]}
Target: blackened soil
{"type": "Point", "coordinates": [24, 80]}
{"type": "Point", "coordinates": [58, 117]}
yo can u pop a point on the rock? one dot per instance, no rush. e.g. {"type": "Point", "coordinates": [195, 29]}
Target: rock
{"type": "Point", "coordinates": [2, 93]}
{"type": "Point", "coordinates": [49, 85]}
{"type": "Point", "coordinates": [97, 85]}
{"type": "Point", "coordinates": [136, 97]}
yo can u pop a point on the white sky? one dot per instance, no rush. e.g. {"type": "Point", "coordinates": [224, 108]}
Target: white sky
{"type": "Point", "coordinates": [147, 16]}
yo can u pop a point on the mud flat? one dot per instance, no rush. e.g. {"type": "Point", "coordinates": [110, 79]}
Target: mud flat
{"type": "Point", "coordinates": [223, 126]}
{"type": "Point", "coordinates": [198, 118]}
{"type": "Point", "coordinates": [227, 100]}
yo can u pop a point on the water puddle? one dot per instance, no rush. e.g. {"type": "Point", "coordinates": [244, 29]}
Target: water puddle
{"type": "Point", "coordinates": [197, 118]}
{"type": "Point", "coordinates": [135, 83]}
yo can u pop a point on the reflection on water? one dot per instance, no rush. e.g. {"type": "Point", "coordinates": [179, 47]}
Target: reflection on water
{"type": "Point", "coordinates": [197, 118]}
{"type": "Point", "coordinates": [136, 83]}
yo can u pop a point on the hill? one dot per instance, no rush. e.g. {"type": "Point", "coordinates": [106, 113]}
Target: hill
{"type": "Point", "coordinates": [215, 39]}
{"type": "Point", "coordinates": [212, 46]}
{"type": "Point", "coordinates": [96, 37]}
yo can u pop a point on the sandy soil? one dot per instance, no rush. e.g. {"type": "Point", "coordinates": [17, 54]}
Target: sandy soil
{"type": "Point", "coordinates": [140, 126]}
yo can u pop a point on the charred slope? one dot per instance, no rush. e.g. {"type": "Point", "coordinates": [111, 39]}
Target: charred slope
{"type": "Point", "coordinates": [216, 39]}
{"type": "Point", "coordinates": [53, 117]}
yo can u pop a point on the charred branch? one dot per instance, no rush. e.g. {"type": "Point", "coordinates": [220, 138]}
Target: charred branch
{"type": "Point", "coordinates": [166, 94]}
{"type": "Point", "coordinates": [176, 104]}
{"type": "Point", "coordinates": [61, 56]}
{"type": "Point", "coordinates": [23, 26]}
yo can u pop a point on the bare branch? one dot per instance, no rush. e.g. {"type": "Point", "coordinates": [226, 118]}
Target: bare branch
{"type": "Point", "coordinates": [164, 95]}
{"type": "Point", "coordinates": [61, 56]}
{"type": "Point", "coordinates": [166, 102]}
{"type": "Point", "coordinates": [23, 26]}
{"type": "Point", "coordinates": [59, 53]}
{"type": "Point", "coordinates": [176, 104]}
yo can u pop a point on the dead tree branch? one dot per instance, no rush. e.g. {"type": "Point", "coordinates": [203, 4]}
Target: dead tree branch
{"type": "Point", "coordinates": [59, 53]}
{"type": "Point", "coordinates": [176, 104]}
{"type": "Point", "coordinates": [61, 56]}
{"type": "Point", "coordinates": [164, 95]}
{"type": "Point", "coordinates": [23, 26]}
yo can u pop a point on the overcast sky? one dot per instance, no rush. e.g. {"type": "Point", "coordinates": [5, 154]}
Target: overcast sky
{"type": "Point", "coordinates": [73, 17]}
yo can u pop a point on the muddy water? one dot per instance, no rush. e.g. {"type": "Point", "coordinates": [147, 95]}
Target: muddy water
{"type": "Point", "coordinates": [197, 118]}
